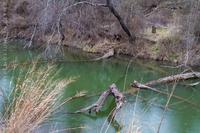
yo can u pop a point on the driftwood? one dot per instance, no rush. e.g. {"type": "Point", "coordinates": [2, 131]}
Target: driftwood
{"type": "Point", "coordinates": [110, 53]}
{"type": "Point", "coordinates": [144, 86]}
{"type": "Point", "coordinates": [168, 79]}
{"type": "Point", "coordinates": [112, 90]}
{"type": "Point", "coordinates": [173, 78]}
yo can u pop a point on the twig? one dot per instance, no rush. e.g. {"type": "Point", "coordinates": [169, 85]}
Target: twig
{"type": "Point", "coordinates": [84, 2]}
{"type": "Point", "coordinates": [166, 106]}
{"type": "Point", "coordinates": [31, 40]}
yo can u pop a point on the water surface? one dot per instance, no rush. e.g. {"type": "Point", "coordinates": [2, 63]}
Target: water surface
{"type": "Point", "coordinates": [142, 112]}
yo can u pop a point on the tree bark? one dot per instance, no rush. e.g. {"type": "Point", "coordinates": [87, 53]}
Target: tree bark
{"type": "Point", "coordinates": [110, 53]}
{"type": "Point", "coordinates": [112, 90]}
{"type": "Point", "coordinates": [172, 78]}
{"type": "Point", "coordinates": [167, 79]}
{"type": "Point", "coordinates": [123, 25]}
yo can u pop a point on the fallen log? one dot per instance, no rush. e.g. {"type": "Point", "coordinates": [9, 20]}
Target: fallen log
{"type": "Point", "coordinates": [168, 79]}
{"type": "Point", "coordinates": [119, 99]}
{"type": "Point", "coordinates": [172, 78]}
{"type": "Point", "coordinates": [97, 105]}
{"type": "Point", "coordinates": [112, 90]}
{"type": "Point", "coordinates": [110, 53]}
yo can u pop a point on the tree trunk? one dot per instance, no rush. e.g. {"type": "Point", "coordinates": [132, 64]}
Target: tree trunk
{"type": "Point", "coordinates": [123, 25]}
{"type": "Point", "coordinates": [172, 78]}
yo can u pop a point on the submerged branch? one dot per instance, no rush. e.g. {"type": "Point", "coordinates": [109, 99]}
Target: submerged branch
{"type": "Point", "coordinates": [172, 78]}
{"type": "Point", "coordinates": [110, 53]}
{"type": "Point", "coordinates": [168, 79]}
{"type": "Point", "coordinates": [143, 86]}
{"type": "Point", "coordinates": [96, 107]}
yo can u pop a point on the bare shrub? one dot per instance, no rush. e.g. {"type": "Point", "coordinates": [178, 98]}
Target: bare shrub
{"type": "Point", "coordinates": [190, 24]}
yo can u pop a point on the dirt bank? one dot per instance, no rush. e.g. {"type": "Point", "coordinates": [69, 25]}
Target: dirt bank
{"type": "Point", "coordinates": [165, 30]}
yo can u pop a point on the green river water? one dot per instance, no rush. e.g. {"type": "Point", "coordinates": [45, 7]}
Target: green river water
{"type": "Point", "coordinates": [142, 112]}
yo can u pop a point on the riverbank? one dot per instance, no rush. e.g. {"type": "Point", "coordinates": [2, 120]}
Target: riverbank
{"type": "Point", "coordinates": [141, 49]}
{"type": "Point", "coordinates": [164, 30]}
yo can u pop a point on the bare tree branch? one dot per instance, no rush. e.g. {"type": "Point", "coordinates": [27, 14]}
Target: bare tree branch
{"type": "Point", "coordinates": [32, 37]}
{"type": "Point", "coordinates": [84, 2]}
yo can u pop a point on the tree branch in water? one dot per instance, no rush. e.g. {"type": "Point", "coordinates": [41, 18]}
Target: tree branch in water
{"type": "Point", "coordinates": [96, 107]}
{"type": "Point", "coordinates": [172, 78]}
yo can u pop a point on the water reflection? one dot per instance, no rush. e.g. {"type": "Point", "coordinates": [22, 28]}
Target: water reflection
{"type": "Point", "coordinates": [5, 88]}
{"type": "Point", "coordinates": [136, 115]}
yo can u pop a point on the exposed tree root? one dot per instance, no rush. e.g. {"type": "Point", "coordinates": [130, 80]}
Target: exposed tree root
{"type": "Point", "coordinates": [112, 90]}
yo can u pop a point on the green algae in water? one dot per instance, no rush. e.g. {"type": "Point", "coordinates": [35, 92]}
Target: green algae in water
{"type": "Point", "coordinates": [142, 112]}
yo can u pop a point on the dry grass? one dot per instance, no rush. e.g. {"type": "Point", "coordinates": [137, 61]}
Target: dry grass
{"type": "Point", "coordinates": [34, 98]}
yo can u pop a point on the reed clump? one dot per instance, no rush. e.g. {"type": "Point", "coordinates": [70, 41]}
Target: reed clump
{"type": "Point", "coordinates": [32, 101]}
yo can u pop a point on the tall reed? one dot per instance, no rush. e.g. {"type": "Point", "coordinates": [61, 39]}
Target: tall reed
{"type": "Point", "coordinates": [34, 98]}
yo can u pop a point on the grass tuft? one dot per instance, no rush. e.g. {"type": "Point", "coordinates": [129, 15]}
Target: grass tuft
{"type": "Point", "coordinates": [34, 98]}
